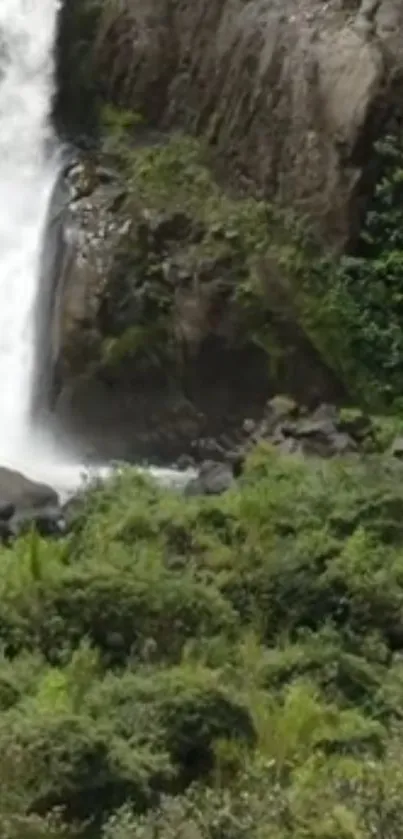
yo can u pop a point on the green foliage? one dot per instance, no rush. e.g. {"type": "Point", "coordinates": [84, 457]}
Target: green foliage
{"type": "Point", "coordinates": [175, 175]}
{"type": "Point", "coordinates": [149, 342]}
{"type": "Point", "coordinates": [182, 225]}
{"type": "Point", "coordinates": [353, 307]}
{"type": "Point", "coordinates": [350, 307]}
{"type": "Point", "coordinates": [223, 666]}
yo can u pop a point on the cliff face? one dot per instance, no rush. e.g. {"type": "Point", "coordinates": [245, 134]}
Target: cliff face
{"type": "Point", "coordinates": [289, 96]}
{"type": "Point", "coordinates": [165, 338]}
{"type": "Point", "coordinates": [290, 93]}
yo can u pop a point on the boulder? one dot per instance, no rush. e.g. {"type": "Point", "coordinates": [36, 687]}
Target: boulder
{"type": "Point", "coordinates": [24, 494]}
{"type": "Point", "coordinates": [49, 521]}
{"type": "Point", "coordinates": [7, 511]}
{"type": "Point", "coordinates": [25, 503]}
{"type": "Point", "coordinates": [213, 479]}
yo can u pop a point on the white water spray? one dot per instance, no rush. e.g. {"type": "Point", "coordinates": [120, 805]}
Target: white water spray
{"type": "Point", "coordinates": [29, 166]}
{"type": "Point", "coordinates": [28, 169]}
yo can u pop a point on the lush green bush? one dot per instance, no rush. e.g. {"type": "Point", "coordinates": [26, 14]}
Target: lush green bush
{"type": "Point", "coordinates": [224, 667]}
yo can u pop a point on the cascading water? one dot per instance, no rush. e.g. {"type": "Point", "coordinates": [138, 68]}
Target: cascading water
{"type": "Point", "coordinates": [29, 167]}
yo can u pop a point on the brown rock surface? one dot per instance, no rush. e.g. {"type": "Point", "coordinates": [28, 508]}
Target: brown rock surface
{"type": "Point", "coordinates": [212, 374]}
{"type": "Point", "coordinates": [291, 93]}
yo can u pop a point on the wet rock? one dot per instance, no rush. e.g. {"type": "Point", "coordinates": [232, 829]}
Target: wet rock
{"type": "Point", "coordinates": [7, 511]}
{"type": "Point", "coordinates": [320, 429]}
{"type": "Point", "coordinates": [213, 479]}
{"type": "Point", "coordinates": [25, 504]}
{"type": "Point", "coordinates": [185, 462]}
{"type": "Point", "coordinates": [24, 494]}
{"type": "Point", "coordinates": [49, 522]}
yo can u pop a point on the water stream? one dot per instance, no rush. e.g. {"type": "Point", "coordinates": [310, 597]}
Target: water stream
{"type": "Point", "coordinates": [29, 168]}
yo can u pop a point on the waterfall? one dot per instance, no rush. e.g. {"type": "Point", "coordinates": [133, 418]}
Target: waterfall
{"type": "Point", "coordinates": [28, 170]}
{"type": "Point", "coordinates": [30, 163]}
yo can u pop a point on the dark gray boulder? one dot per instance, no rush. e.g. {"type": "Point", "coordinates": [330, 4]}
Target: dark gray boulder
{"type": "Point", "coordinates": [24, 494]}
{"type": "Point", "coordinates": [7, 511]}
{"type": "Point", "coordinates": [48, 521]}
{"type": "Point", "coordinates": [213, 479]}
{"type": "Point", "coordinates": [24, 504]}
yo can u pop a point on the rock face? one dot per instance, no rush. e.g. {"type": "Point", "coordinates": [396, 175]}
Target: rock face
{"type": "Point", "coordinates": [57, 255]}
{"type": "Point", "coordinates": [156, 349]}
{"type": "Point", "coordinates": [290, 94]}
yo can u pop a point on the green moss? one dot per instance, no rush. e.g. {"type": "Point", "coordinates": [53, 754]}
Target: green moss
{"type": "Point", "coordinates": [150, 343]}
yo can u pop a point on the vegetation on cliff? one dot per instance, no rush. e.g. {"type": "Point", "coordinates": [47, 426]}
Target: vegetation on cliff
{"type": "Point", "coordinates": [218, 667]}
{"type": "Point", "coordinates": [348, 307]}
{"type": "Point", "coordinates": [258, 265]}
{"type": "Point", "coordinates": [353, 305]}
{"type": "Point", "coordinates": [184, 231]}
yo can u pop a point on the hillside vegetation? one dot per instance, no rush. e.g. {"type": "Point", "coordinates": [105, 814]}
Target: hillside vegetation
{"type": "Point", "coordinates": [218, 667]}
{"type": "Point", "coordinates": [221, 667]}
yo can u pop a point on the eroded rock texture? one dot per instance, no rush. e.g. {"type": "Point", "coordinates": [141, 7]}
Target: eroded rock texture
{"type": "Point", "coordinates": [291, 93]}
{"type": "Point", "coordinates": [290, 96]}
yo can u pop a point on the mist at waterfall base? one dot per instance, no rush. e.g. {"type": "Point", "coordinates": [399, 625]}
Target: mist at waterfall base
{"type": "Point", "coordinates": [30, 162]}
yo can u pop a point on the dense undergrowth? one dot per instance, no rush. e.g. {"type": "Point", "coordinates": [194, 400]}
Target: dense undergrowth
{"type": "Point", "coordinates": [218, 667]}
